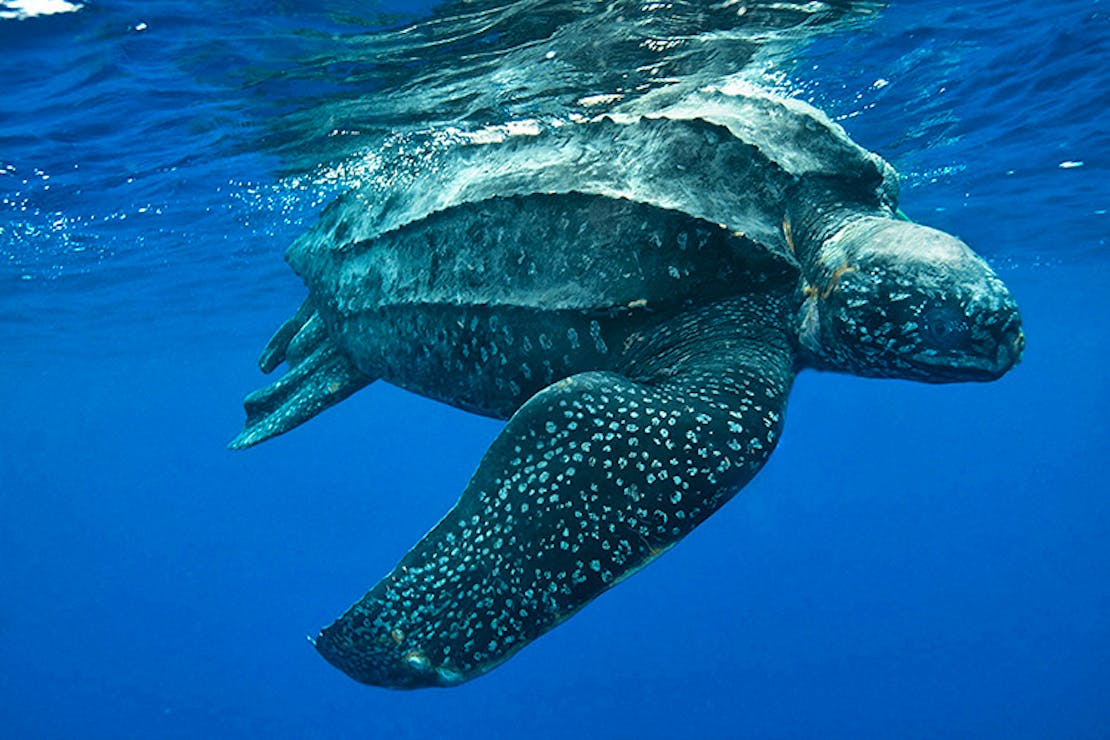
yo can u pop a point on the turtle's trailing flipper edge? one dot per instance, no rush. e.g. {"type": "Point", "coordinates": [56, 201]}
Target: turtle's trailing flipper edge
{"type": "Point", "coordinates": [320, 375]}
{"type": "Point", "coordinates": [592, 479]}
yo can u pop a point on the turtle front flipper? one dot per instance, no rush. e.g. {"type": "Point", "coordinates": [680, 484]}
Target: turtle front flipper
{"type": "Point", "coordinates": [591, 479]}
{"type": "Point", "coordinates": [320, 375]}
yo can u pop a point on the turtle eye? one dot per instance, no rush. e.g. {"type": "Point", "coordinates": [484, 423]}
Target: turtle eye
{"type": "Point", "coordinates": [944, 326]}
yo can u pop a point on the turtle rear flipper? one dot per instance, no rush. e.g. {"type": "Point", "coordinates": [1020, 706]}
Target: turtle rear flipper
{"type": "Point", "coordinates": [320, 375]}
{"type": "Point", "coordinates": [275, 350]}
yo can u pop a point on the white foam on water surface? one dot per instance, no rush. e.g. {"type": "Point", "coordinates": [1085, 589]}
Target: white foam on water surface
{"type": "Point", "coordinates": [22, 9]}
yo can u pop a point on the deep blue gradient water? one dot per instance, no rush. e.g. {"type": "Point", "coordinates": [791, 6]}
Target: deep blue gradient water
{"type": "Point", "coordinates": [915, 561]}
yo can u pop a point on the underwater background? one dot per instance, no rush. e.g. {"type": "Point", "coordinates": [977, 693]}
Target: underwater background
{"type": "Point", "coordinates": [914, 561]}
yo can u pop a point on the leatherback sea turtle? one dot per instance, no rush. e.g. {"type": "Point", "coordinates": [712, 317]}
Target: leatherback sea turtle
{"type": "Point", "coordinates": [635, 294]}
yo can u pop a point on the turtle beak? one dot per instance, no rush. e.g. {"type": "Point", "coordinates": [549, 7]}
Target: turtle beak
{"type": "Point", "coordinates": [996, 349]}
{"type": "Point", "coordinates": [1011, 345]}
{"type": "Point", "coordinates": [999, 342]}
{"type": "Point", "coordinates": [1018, 347]}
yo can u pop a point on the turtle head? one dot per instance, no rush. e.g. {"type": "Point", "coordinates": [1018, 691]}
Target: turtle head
{"type": "Point", "coordinates": [888, 298]}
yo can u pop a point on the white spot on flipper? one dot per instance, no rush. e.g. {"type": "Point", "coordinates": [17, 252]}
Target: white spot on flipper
{"type": "Point", "coordinates": [449, 676]}
{"type": "Point", "coordinates": [417, 660]}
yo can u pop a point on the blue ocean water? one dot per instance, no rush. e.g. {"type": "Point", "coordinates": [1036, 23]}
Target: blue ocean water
{"type": "Point", "coordinates": [915, 561]}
